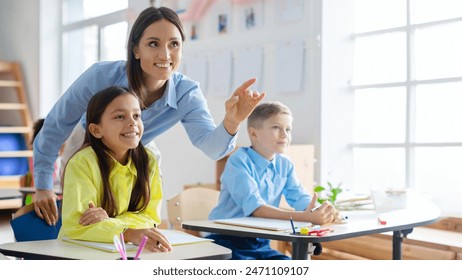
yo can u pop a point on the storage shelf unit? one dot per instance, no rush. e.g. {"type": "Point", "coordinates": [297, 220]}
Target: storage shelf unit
{"type": "Point", "coordinates": [15, 118]}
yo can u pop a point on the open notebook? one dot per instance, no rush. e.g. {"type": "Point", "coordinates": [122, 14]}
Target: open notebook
{"type": "Point", "coordinates": [175, 238]}
{"type": "Point", "coordinates": [262, 223]}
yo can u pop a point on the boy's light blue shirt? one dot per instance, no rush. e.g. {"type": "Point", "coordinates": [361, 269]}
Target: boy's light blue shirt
{"type": "Point", "coordinates": [182, 101]}
{"type": "Point", "coordinates": [250, 181]}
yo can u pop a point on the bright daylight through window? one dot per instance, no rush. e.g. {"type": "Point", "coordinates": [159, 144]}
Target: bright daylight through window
{"type": "Point", "coordinates": [408, 94]}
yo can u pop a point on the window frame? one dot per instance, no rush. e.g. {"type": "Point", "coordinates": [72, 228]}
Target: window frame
{"type": "Point", "coordinates": [100, 22]}
{"type": "Point", "coordinates": [409, 145]}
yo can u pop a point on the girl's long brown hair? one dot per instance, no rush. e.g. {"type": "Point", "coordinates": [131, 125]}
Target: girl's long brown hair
{"type": "Point", "coordinates": [140, 195]}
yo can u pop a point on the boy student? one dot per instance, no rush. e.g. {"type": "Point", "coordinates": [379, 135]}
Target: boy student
{"type": "Point", "coordinates": [255, 178]}
{"type": "Point", "coordinates": [112, 184]}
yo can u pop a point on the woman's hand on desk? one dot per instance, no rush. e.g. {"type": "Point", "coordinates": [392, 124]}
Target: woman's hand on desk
{"type": "Point", "coordinates": [156, 242]}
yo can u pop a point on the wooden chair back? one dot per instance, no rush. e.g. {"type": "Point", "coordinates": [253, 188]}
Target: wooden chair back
{"type": "Point", "coordinates": [191, 204]}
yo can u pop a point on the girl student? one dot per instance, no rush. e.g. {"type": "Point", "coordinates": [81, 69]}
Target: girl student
{"type": "Point", "coordinates": [112, 184]}
{"type": "Point", "coordinates": [154, 53]}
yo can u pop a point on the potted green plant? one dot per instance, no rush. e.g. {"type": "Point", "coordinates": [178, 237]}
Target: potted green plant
{"type": "Point", "coordinates": [328, 193]}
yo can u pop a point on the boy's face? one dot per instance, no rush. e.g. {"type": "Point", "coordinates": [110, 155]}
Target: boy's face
{"type": "Point", "coordinates": [273, 136]}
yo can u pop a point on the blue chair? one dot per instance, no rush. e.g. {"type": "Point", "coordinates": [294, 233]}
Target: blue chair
{"type": "Point", "coordinates": [27, 226]}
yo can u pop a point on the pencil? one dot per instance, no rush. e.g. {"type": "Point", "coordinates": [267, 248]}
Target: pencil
{"type": "Point", "coordinates": [292, 224]}
{"type": "Point", "coordinates": [315, 208]}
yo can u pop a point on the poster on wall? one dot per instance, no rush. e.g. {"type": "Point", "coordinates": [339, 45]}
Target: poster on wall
{"type": "Point", "coordinates": [290, 60]}
{"type": "Point", "coordinates": [195, 67]}
{"type": "Point", "coordinates": [193, 30]}
{"type": "Point", "coordinates": [220, 74]}
{"type": "Point", "coordinates": [248, 63]}
{"type": "Point", "coordinates": [250, 15]}
{"type": "Point", "coordinates": [221, 17]}
{"type": "Point", "coordinates": [286, 11]}
{"type": "Point", "coordinates": [179, 6]}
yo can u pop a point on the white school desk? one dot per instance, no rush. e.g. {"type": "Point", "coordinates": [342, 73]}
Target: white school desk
{"type": "Point", "coordinates": [419, 212]}
{"type": "Point", "coordinates": [62, 250]}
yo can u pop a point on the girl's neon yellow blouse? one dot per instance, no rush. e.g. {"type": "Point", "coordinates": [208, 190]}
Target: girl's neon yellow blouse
{"type": "Point", "coordinates": [82, 184]}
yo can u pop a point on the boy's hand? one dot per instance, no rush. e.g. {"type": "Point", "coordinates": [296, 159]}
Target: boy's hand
{"type": "Point", "coordinates": [93, 215]}
{"type": "Point", "coordinates": [313, 201]}
{"type": "Point", "coordinates": [325, 214]}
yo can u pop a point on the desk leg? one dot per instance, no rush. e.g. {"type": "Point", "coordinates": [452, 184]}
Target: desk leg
{"type": "Point", "coordinates": [300, 250]}
{"type": "Point", "coordinates": [397, 241]}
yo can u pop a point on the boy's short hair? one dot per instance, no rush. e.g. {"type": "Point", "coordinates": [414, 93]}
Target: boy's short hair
{"type": "Point", "coordinates": [266, 110]}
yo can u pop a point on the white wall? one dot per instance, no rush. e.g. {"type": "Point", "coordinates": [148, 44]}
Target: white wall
{"type": "Point", "coordinates": [50, 55]}
{"type": "Point", "coordinates": [19, 33]}
{"type": "Point", "coordinates": [337, 99]}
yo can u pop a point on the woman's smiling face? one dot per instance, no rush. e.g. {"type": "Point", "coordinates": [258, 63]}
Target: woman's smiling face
{"type": "Point", "coordinates": [159, 50]}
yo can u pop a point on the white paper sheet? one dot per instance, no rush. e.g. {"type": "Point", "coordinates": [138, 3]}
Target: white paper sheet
{"type": "Point", "coordinates": [248, 64]}
{"type": "Point", "coordinates": [289, 66]}
{"type": "Point", "coordinates": [220, 74]}
{"type": "Point", "coordinates": [195, 67]}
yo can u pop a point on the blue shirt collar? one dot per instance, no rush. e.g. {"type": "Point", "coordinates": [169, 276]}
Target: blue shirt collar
{"type": "Point", "coordinates": [260, 162]}
{"type": "Point", "coordinates": [169, 98]}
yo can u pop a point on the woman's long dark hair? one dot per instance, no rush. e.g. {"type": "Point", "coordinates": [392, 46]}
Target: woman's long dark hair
{"type": "Point", "coordinates": [140, 195]}
{"type": "Point", "coordinates": [133, 66]}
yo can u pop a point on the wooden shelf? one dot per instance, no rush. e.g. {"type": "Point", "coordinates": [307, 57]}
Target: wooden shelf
{"type": "Point", "coordinates": [8, 83]}
{"type": "Point", "coordinates": [13, 106]}
{"type": "Point", "coordinates": [10, 154]}
{"type": "Point", "coordinates": [15, 116]}
{"type": "Point", "coordinates": [14, 129]}
{"type": "Point", "coordinates": [10, 181]}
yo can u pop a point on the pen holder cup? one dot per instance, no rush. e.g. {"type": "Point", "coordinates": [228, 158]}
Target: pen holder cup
{"type": "Point", "coordinates": [128, 259]}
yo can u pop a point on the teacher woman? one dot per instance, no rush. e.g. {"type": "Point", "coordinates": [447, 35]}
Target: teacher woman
{"type": "Point", "coordinates": [155, 48]}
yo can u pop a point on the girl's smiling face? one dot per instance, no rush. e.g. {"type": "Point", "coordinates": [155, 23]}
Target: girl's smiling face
{"type": "Point", "coordinates": [120, 128]}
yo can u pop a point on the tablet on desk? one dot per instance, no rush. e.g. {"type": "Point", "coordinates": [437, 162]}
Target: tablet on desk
{"type": "Point", "coordinates": [263, 223]}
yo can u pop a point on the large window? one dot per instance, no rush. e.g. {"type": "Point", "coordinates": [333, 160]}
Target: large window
{"type": "Point", "coordinates": [93, 30]}
{"type": "Point", "coordinates": [408, 96]}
